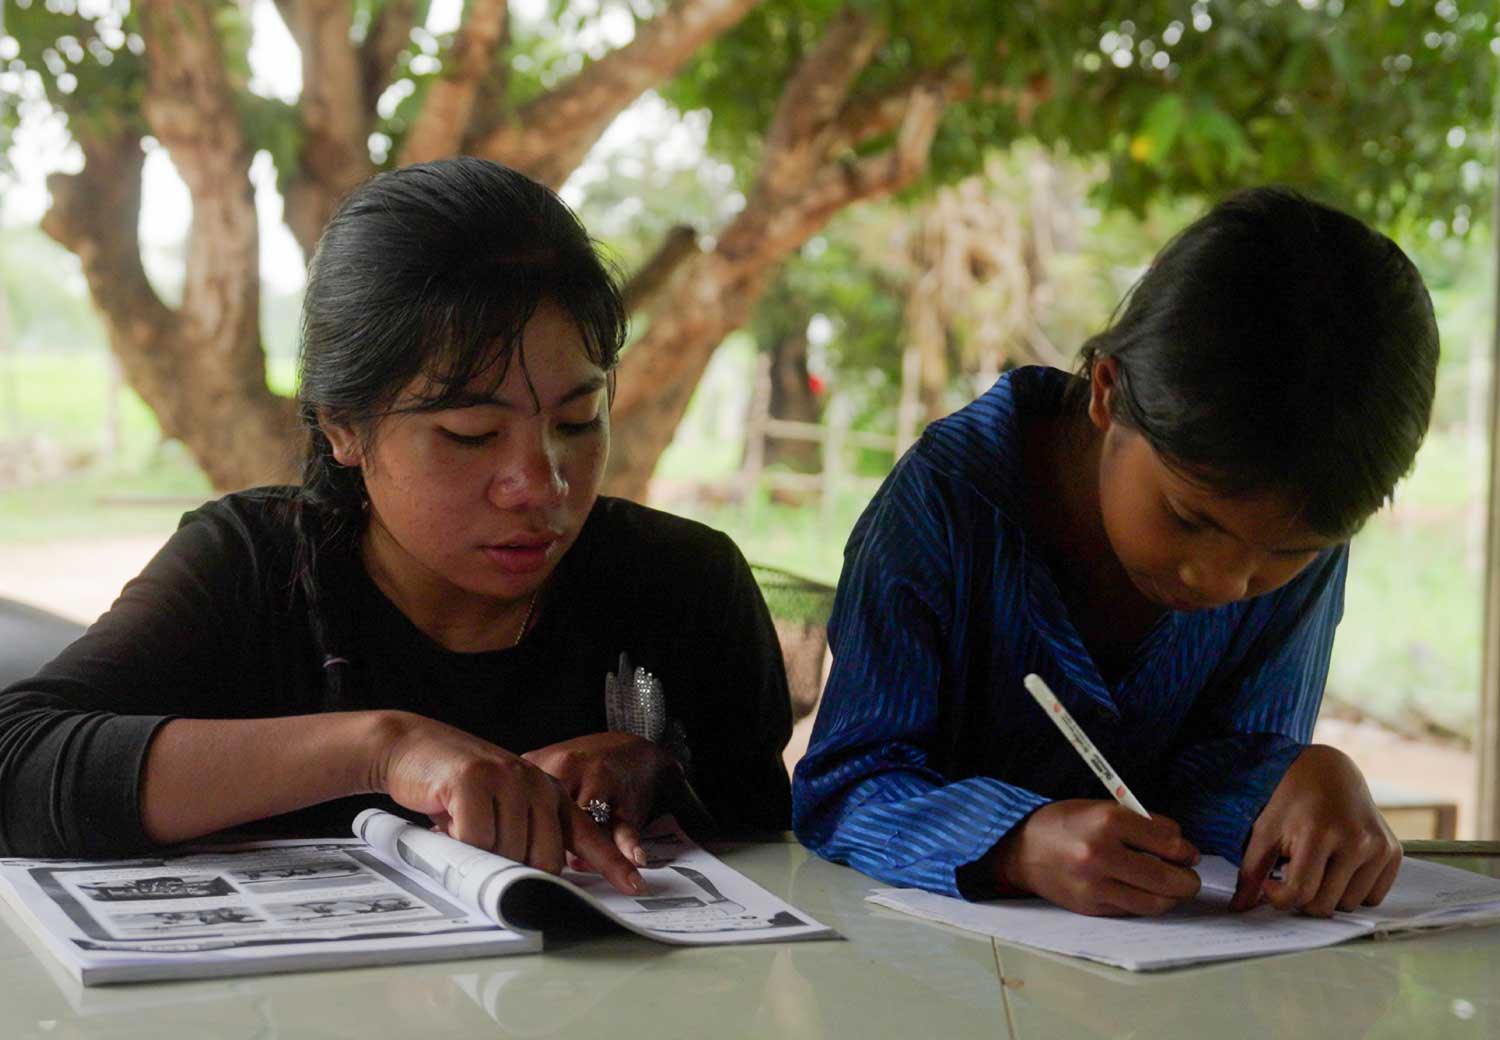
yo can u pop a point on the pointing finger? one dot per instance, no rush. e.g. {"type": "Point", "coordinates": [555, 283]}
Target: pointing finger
{"type": "Point", "coordinates": [588, 840]}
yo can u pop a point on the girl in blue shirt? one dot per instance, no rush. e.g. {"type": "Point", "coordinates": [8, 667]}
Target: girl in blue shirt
{"type": "Point", "coordinates": [1163, 538]}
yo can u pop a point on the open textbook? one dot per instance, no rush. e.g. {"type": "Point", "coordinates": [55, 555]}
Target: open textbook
{"type": "Point", "coordinates": [1425, 895]}
{"type": "Point", "coordinates": [395, 893]}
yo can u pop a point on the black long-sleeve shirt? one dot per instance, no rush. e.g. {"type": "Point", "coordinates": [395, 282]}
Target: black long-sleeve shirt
{"type": "Point", "coordinates": [217, 626]}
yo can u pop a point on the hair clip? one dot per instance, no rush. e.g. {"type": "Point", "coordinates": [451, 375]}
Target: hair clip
{"type": "Point", "coordinates": [634, 702]}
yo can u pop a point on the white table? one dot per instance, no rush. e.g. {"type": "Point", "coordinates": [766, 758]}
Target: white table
{"type": "Point", "coordinates": [892, 977]}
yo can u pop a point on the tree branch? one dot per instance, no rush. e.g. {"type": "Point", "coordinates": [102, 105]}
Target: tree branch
{"type": "Point", "coordinates": [189, 106]}
{"type": "Point", "coordinates": [716, 291]}
{"type": "Point", "coordinates": [679, 245]}
{"type": "Point", "coordinates": [387, 38]}
{"type": "Point", "coordinates": [95, 214]}
{"type": "Point", "coordinates": [802, 131]}
{"type": "Point", "coordinates": [552, 134]}
{"type": "Point", "coordinates": [197, 386]}
{"type": "Point", "coordinates": [440, 127]}
{"type": "Point", "coordinates": [202, 370]}
{"type": "Point", "coordinates": [489, 105]}
{"type": "Point", "coordinates": [874, 175]}
{"type": "Point", "coordinates": [868, 116]}
{"type": "Point", "coordinates": [819, 89]}
{"type": "Point", "coordinates": [336, 115]}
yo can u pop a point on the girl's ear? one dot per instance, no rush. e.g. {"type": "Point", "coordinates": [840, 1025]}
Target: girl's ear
{"type": "Point", "coordinates": [347, 447]}
{"type": "Point", "coordinates": [1102, 378]}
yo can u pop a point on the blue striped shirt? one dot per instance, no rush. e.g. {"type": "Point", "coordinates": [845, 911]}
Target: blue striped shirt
{"type": "Point", "coordinates": [927, 749]}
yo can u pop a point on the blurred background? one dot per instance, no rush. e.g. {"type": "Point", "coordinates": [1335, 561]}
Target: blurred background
{"type": "Point", "coordinates": [836, 222]}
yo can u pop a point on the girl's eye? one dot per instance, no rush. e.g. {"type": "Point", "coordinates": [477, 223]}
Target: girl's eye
{"type": "Point", "coordinates": [577, 429]}
{"type": "Point", "coordinates": [465, 439]}
{"type": "Point", "coordinates": [1298, 556]}
{"type": "Point", "coordinates": [1182, 521]}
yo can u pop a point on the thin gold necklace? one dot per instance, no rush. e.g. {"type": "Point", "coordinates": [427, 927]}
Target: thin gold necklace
{"type": "Point", "coordinates": [530, 605]}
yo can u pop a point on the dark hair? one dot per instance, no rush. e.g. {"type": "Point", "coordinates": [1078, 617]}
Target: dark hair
{"type": "Point", "coordinates": [427, 271]}
{"type": "Point", "coordinates": [1278, 345]}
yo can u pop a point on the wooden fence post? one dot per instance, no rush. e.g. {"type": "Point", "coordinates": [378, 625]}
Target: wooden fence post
{"type": "Point", "coordinates": [756, 417]}
{"type": "Point", "coordinates": [1487, 739]}
{"type": "Point", "coordinates": [833, 455]}
{"type": "Point", "coordinates": [114, 387]}
{"type": "Point", "coordinates": [10, 360]}
{"type": "Point", "coordinates": [911, 399]}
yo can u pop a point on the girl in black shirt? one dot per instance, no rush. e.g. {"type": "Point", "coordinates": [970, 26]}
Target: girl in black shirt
{"type": "Point", "coordinates": [429, 618]}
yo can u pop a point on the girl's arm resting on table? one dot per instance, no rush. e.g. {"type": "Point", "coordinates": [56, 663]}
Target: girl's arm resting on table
{"type": "Point", "coordinates": [904, 826]}
{"type": "Point", "coordinates": [204, 775]}
{"type": "Point", "coordinates": [866, 793]}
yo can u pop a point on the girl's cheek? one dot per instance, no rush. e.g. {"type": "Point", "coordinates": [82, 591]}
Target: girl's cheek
{"type": "Point", "coordinates": [1282, 574]}
{"type": "Point", "coordinates": [595, 450]}
{"type": "Point", "coordinates": [583, 464]}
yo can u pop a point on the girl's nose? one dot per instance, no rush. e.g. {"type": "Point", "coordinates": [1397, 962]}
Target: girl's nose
{"type": "Point", "coordinates": [529, 477]}
{"type": "Point", "coordinates": [1219, 579]}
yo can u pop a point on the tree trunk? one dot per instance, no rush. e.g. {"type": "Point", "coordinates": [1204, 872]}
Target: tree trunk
{"type": "Point", "coordinates": [214, 400]}
{"type": "Point", "coordinates": [792, 398]}
{"type": "Point", "coordinates": [200, 367]}
{"type": "Point", "coordinates": [337, 110]}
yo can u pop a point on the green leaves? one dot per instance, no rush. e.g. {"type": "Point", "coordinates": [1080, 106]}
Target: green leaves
{"type": "Point", "coordinates": [1180, 98]}
{"type": "Point", "coordinates": [88, 67]}
{"type": "Point", "coordinates": [272, 126]}
{"type": "Point", "coordinates": [1158, 133]}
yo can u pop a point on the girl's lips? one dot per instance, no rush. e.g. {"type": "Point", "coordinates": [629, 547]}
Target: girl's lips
{"type": "Point", "coordinates": [521, 557]}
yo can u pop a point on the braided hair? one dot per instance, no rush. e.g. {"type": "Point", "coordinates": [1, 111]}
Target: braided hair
{"type": "Point", "coordinates": [424, 274]}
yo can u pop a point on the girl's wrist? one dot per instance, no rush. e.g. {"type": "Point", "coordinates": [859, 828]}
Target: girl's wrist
{"type": "Point", "coordinates": [1003, 871]}
{"type": "Point", "coordinates": [986, 878]}
{"type": "Point", "coordinates": [378, 733]}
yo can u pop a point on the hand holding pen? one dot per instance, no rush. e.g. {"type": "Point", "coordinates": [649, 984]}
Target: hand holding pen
{"type": "Point", "coordinates": [1102, 858]}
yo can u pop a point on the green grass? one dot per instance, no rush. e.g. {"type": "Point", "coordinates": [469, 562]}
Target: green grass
{"type": "Point", "coordinates": [58, 402]}
{"type": "Point", "coordinates": [106, 503]}
{"type": "Point", "coordinates": [800, 539]}
{"type": "Point", "coordinates": [64, 397]}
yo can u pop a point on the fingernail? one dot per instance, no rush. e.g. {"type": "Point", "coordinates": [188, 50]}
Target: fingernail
{"type": "Point", "coordinates": [637, 884]}
{"type": "Point", "coordinates": [638, 854]}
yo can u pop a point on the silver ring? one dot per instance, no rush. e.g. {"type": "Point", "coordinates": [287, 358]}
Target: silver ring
{"type": "Point", "coordinates": [599, 809]}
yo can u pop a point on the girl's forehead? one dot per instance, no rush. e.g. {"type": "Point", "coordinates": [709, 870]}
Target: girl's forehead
{"type": "Point", "coordinates": [538, 377]}
{"type": "Point", "coordinates": [531, 373]}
